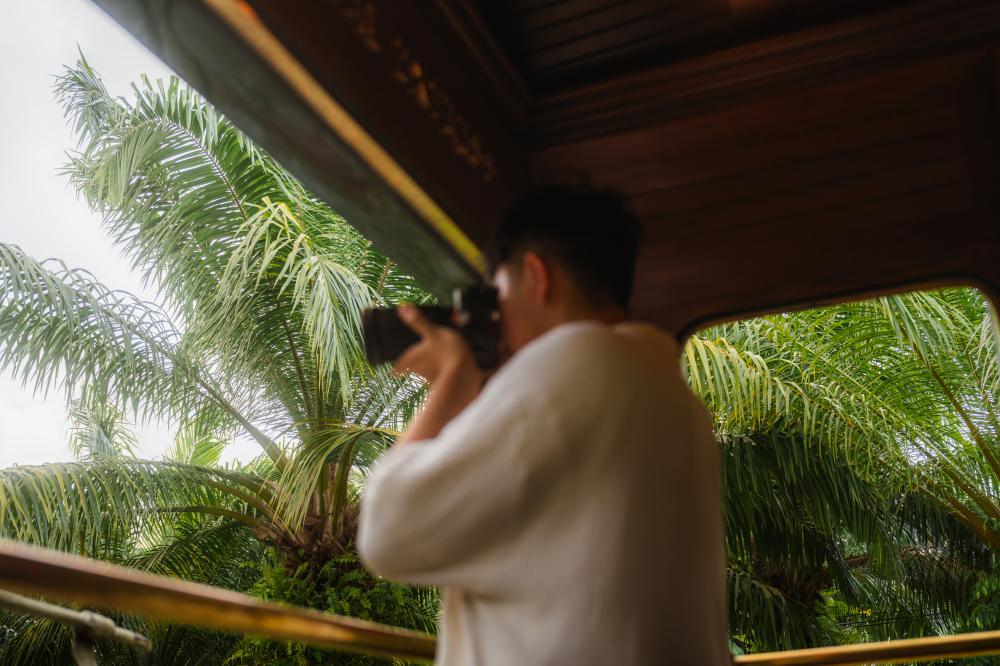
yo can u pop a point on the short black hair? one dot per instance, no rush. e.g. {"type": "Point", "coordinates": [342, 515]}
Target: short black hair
{"type": "Point", "coordinates": [590, 232]}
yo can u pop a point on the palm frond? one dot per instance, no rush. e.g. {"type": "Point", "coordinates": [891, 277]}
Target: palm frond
{"type": "Point", "coordinates": [99, 429]}
{"type": "Point", "coordinates": [63, 327]}
{"type": "Point", "coordinates": [105, 508]}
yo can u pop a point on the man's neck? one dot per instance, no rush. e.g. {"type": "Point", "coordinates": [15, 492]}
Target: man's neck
{"type": "Point", "coordinates": [572, 312]}
{"type": "Point", "coordinates": [567, 315]}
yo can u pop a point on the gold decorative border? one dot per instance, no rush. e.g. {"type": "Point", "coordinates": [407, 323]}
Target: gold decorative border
{"type": "Point", "coordinates": [245, 22]}
{"type": "Point", "coordinates": [429, 97]}
{"type": "Point", "coordinates": [426, 93]}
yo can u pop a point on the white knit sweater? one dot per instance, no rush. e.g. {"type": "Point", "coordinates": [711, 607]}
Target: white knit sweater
{"type": "Point", "coordinates": [571, 513]}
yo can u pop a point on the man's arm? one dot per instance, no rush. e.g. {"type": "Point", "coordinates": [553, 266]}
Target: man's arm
{"type": "Point", "coordinates": [433, 512]}
{"type": "Point", "coordinates": [425, 514]}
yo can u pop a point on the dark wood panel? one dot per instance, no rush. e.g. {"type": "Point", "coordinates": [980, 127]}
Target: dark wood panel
{"type": "Point", "coordinates": [791, 63]}
{"type": "Point", "coordinates": [568, 21]}
{"type": "Point", "coordinates": [805, 261]}
{"type": "Point", "coordinates": [556, 41]}
{"type": "Point", "coordinates": [808, 229]}
{"type": "Point", "coordinates": [867, 108]}
{"type": "Point", "coordinates": [758, 210]}
{"type": "Point", "coordinates": [807, 196]}
{"type": "Point", "coordinates": [790, 160]}
{"type": "Point", "coordinates": [567, 43]}
{"type": "Point", "coordinates": [653, 196]}
{"type": "Point", "coordinates": [615, 31]}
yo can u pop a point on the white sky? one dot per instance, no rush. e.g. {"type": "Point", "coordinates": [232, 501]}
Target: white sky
{"type": "Point", "coordinates": [40, 211]}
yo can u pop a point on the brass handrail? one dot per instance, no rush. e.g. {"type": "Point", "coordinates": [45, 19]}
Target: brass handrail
{"type": "Point", "coordinates": [909, 650]}
{"type": "Point", "coordinates": [70, 578]}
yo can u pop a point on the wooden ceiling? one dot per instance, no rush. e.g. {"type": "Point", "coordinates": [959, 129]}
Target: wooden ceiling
{"type": "Point", "coordinates": [561, 44]}
{"type": "Point", "coordinates": [781, 153]}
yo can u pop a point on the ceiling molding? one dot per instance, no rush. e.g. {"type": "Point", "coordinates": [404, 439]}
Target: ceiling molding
{"type": "Point", "coordinates": [799, 60]}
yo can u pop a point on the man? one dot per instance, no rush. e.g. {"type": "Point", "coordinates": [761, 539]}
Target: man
{"type": "Point", "coordinates": [570, 508]}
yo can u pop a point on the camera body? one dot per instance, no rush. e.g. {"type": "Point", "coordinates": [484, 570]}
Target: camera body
{"type": "Point", "coordinates": [475, 315]}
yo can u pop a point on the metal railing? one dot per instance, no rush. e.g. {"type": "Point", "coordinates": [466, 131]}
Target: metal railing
{"type": "Point", "coordinates": [69, 578]}
{"type": "Point", "coordinates": [88, 627]}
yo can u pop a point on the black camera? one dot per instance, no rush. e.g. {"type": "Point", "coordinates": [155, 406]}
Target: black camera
{"type": "Point", "coordinates": [475, 315]}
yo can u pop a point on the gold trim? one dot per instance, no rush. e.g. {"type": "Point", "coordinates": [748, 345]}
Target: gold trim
{"type": "Point", "coordinates": [244, 21]}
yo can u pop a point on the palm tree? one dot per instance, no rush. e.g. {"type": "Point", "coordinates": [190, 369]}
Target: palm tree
{"type": "Point", "coordinates": [856, 443]}
{"type": "Point", "coordinates": [259, 338]}
{"type": "Point", "coordinates": [933, 357]}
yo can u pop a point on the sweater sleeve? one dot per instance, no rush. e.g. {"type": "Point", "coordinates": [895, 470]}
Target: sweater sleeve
{"type": "Point", "coordinates": [434, 512]}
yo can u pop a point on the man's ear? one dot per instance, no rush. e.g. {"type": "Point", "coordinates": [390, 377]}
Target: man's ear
{"type": "Point", "coordinates": [536, 276]}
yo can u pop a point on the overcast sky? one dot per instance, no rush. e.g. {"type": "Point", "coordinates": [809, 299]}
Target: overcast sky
{"type": "Point", "coordinates": [41, 213]}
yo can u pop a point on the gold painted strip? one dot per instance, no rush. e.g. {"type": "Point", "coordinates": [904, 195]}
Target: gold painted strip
{"type": "Point", "coordinates": [244, 21]}
{"type": "Point", "coordinates": [69, 578]}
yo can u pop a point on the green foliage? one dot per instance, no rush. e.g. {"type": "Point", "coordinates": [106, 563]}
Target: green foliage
{"type": "Point", "coordinates": [860, 465]}
{"type": "Point", "coordinates": [985, 615]}
{"type": "Point", "coordinates": [259, 338]}
{"type": "Point", "coordinates": [341, 586]}
{"type": "Point", "coordinates": [99, 429]}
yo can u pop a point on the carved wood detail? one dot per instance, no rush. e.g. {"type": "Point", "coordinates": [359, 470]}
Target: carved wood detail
{"type": "Point", "coordinates": [408, 72]}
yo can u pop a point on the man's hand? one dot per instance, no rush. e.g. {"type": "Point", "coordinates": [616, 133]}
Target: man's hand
{"type": "Point", "coordinates": [440, 351]}
{"type": "Point", "coordinates": [444, 359]}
